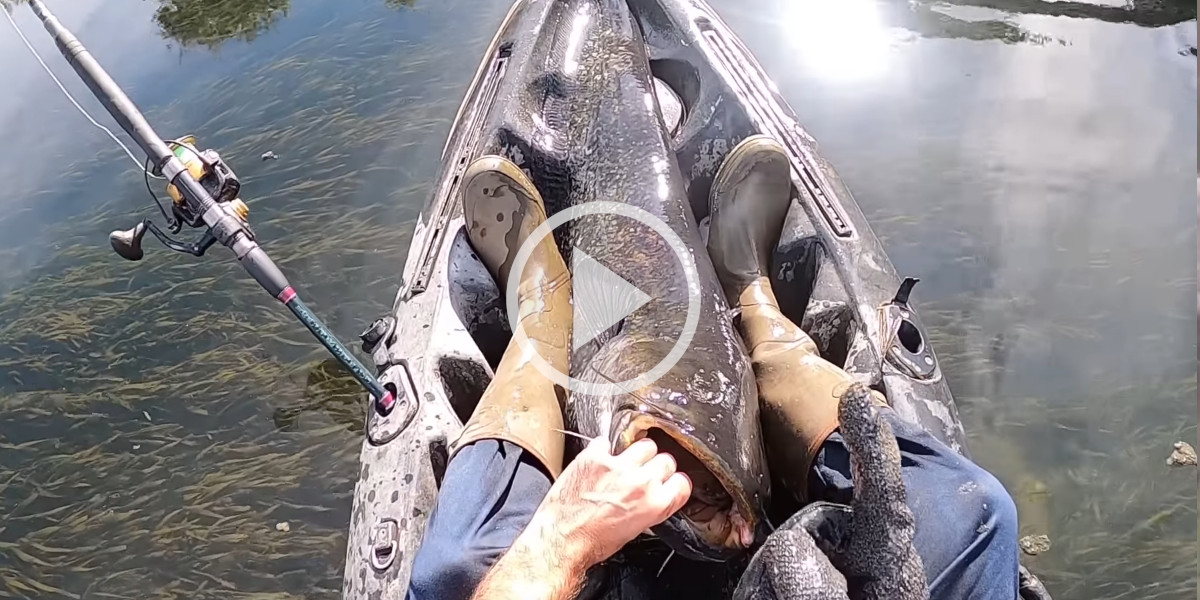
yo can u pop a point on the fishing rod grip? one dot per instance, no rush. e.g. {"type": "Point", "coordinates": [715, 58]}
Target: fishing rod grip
{"type": "Point", "coordinates": [384, 400]}
{"type": "Point", "coordinates": [267, 274]}
{"type": "Point", "coordinates": [263, 270]}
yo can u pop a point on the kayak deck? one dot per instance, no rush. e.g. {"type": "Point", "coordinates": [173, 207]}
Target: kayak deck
{"type": "Point", "coordinates": [437, 349]}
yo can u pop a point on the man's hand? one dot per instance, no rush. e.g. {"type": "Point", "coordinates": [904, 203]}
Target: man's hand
{"type": "Point", "coordinates": [600, 503]}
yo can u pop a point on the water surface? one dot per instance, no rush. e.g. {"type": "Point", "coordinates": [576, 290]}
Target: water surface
{"type": "Point", "coordinates": [1032, 162]}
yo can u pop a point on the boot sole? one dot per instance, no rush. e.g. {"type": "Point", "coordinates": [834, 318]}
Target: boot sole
{"type": "Point", "coordinates": [496, 199]}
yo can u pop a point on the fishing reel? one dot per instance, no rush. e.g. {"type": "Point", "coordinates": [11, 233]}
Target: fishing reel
{"type": "Point", "coordinates": [206, 167]}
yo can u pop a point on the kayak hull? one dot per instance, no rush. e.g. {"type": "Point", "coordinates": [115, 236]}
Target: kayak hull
{"type": "Point", "coordinates": [448, 327]}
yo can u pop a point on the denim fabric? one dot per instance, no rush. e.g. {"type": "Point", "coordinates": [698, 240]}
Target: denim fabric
{"type": "Point", "coordinates": [966, 520]}
{"type": "Point", "coordinates": [488, 496]}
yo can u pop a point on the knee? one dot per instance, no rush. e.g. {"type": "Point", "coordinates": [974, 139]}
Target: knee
{"type": "Point", "coordinates": [445, 569]}
{"type": "Point", "coordinates": [971, 543]}
{"type": "Point", "coordinates": [995, 511]}
{"type": "Point", "coordinates": [978, 520]}
{"type": "Point", "coordinates": [951, 491]}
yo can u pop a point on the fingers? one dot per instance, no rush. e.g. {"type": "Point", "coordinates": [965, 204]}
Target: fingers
{"type": "Point", "coordinates": [674, 493]}
{"type": "Point", "coordinates": [660, 467]}
{"type": "Point", "coordinates": [597, 447]}
{"type": "Point", "coordinates": [639, 452]}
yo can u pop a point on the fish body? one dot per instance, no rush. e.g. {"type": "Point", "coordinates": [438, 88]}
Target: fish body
{"type": "Point", "coordinates": [704, 409]}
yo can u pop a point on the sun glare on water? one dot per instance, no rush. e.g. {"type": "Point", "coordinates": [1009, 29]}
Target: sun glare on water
{"type": "Point", "coordinates": [840, 40]}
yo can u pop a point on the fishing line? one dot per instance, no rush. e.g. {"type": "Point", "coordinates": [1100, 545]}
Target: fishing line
{"type": "Point", "coordinates": [20, 34]}
{"type": "Point", "coordinates": [146, 178]}
{"type": "Point", "coordinates": [664, 565]}
{"type": "Point", "coordinates": [578, 435]}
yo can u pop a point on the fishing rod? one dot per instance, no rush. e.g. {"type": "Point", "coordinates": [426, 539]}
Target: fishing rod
{"type": "Point", "coordinates": [205, 194]}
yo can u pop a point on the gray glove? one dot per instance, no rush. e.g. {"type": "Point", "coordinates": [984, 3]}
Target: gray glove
{"type": "Point", "coordinates": [790, 566]}
{"type": "Point", "coordinates": [832, 552]}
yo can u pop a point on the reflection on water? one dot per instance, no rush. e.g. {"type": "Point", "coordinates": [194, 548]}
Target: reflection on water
{"type": "Point", "coordinates": [992, 19]}
{"type": "Point", "coordinates": [1044, 193]}
{"type": "Point", "coordinates": [1146, 13]}
{"type": "Point", "coordinates": [1032, 162]}
{"type": "Point", "coordinates": [852, 30]}
{"type": "Point", "coordinates": [330, 392]}
{"type": "Point", "coordinates": [961, 21]}
{"type": "Point", "coordinates": [209, 22]}
{"type": "Point", "coordinates": [844, 40]}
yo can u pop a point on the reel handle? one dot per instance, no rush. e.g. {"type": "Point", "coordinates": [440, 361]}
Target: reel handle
{"type": "Point", "coordinates": [128, 243]}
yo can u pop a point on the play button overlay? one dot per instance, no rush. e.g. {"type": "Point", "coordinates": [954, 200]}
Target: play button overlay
{"type": "Point", "coordinates": [601, 298]}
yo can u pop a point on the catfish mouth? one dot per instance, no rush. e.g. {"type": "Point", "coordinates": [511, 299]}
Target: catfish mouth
{"type": "Point", "coordinates": [716, 520]}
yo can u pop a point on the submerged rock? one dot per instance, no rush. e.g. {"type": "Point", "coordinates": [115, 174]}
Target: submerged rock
{"type": "Point", "coordinates": [1182, 456]}
{"type": "Point", "coordinates": [1034, 545]}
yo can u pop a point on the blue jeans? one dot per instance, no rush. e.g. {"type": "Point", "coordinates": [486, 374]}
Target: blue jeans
{"type": "Point", "coordinates": [966, 521]}
{"type": "Point", "coordinates": [488, 495]}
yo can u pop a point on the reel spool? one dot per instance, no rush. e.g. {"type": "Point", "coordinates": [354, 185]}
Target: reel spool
{"type": "Point", "coordinates": [206, 167]}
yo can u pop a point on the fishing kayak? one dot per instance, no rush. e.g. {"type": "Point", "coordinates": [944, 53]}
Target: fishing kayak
{"type": "Point", "coordinates": [437, 348]}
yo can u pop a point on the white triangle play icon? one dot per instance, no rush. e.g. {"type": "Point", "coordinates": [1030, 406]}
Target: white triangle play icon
{"type": "Point", "coordinates": [601, 298]}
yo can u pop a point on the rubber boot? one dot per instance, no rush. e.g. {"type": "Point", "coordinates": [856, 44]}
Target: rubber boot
{"type": "Point", "coordinates": [797, 389]}
{"type": "Point", "coordinates": [522, 405]}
